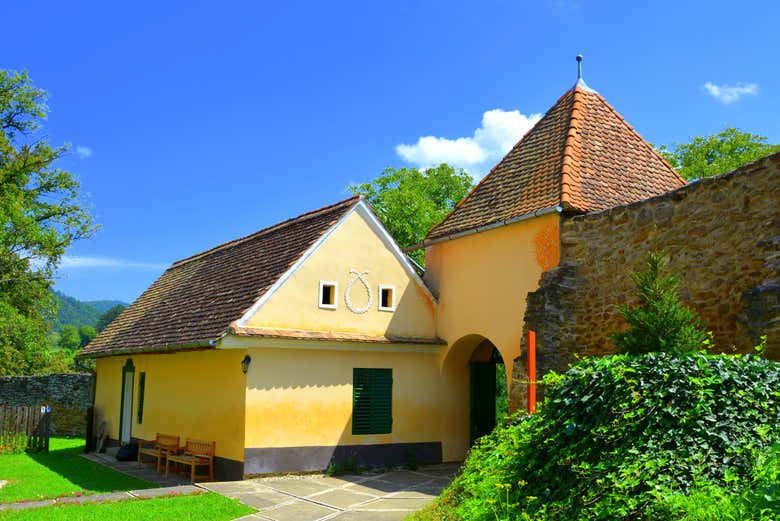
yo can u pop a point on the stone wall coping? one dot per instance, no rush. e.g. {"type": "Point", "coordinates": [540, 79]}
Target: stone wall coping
{"type": "Point", "coordinates": [45, 376]}
{"type": "Point", "coordinates": [682, 192]}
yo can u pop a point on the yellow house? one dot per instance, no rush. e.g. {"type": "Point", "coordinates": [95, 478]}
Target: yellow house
{"type": "Point", "coordinates": [316, 340]}
{"type": "Point", "coordinates": [307, 342]}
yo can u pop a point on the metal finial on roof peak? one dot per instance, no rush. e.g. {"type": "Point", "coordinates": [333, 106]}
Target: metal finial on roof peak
{"type": "Point", "coordinates": [580, 82]}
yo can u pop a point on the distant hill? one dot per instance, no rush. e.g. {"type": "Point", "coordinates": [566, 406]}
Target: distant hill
{"type": "Point", "coordinates": [77, 313]}
{"type": "Point", "coordinates": [103, 305]}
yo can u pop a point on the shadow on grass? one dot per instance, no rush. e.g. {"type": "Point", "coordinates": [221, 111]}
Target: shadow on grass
{"type": "Point", "coordinates": [85, 474]}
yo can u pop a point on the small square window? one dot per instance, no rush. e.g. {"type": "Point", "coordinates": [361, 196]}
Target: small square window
{"type": "Point", "coordinates": [328, 294]}
{"type": "Point", "coordinates": [386, 298]}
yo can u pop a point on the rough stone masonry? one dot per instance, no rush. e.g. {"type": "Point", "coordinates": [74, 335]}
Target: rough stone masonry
{"type": "Point", "coordinates": [68, 394]}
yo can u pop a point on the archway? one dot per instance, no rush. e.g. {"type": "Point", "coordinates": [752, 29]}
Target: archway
{"type": "Point", "coordinates": [476, 383]}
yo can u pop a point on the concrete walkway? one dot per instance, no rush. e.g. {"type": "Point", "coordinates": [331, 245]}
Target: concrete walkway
{"type": "Point", "coordinates": [387, 496]}
{"type": "Point", "coordinates": [374, 496]}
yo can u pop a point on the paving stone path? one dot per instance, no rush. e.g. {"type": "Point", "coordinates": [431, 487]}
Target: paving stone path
{"type": "Point", "coordinates": [388, 496]}
{"type": "Point", "coordinates": [385, 496]}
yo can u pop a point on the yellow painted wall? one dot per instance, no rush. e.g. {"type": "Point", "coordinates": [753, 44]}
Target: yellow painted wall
{"type": "Point", "coordinates": [303, 398]}
{"type": "Point", "coordinates": [196, 394]}
{"type": "Point", "coordinates": [353, 245]}
{"type": "Point", "coordinates": [482, 281]}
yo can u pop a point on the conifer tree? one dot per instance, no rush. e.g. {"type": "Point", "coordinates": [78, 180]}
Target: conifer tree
{"type": "Point", "coordinates": [660, 322]}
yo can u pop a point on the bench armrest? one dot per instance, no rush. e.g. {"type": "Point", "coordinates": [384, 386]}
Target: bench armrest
{"type": "Point", "coordinates": [141, 443]}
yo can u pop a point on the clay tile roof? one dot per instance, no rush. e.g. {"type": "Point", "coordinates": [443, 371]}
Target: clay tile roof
{"type": "Point", "coordinates": [581, 156]}
{"type": "Point", "coordinates": [194, 302]}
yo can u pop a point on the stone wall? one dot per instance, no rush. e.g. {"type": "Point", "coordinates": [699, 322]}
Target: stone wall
{"type": "Point", "coordinates": [68, 394]}
{"type": "Point", "coordinates": [722, 239]}
{"type": "Point", "coordinates": [550, 313]}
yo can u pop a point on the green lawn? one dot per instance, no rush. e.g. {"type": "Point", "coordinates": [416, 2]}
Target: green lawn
{"type": "Point", "coordinates": [59, 472]}
{"type": "Point", "coordinates": [200, 507]}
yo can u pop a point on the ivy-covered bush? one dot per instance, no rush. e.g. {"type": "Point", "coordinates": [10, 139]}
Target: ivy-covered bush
{"type": "Point", "coordinates": [633, 437]}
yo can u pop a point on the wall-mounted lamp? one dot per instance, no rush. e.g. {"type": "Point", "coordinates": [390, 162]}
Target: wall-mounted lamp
{"type": "Point", "coordinates": [245, 363]}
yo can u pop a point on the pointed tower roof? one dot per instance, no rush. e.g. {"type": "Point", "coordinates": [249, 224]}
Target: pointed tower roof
{"type": "Point", "coordinates": [582, 156]}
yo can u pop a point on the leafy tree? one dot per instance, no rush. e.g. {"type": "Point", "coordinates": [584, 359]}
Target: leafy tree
{"type": "Point", "coordinates": [660, 322]}
{"type": "Point", "coordinates": [41, 214]}
{"type": "Point", "coordinates": [410, 201]}
{"type": "Point", "coordinates": [109, 316]}
{"type": "Point", "coordinates": [70, 338]}
{"type": "Point", "coordinates": [715, 154]}
{"type": "Point", "coordinates": [86, 334]}
{"type": "Point", "coordinates": [23, 348]}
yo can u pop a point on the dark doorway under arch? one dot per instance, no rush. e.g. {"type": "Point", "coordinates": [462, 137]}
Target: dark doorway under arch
{"type": "Point", "coordinates": [487, 389]}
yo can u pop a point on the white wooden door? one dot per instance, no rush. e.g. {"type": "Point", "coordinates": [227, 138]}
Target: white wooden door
{"type": "Point", "coordinates": [127, 407]}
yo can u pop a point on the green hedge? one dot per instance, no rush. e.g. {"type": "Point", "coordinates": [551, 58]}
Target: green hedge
{"type": "Point", "coordinates": [633, 437]}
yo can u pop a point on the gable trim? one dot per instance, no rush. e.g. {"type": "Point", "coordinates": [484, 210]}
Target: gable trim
{"type": "Point", "coordinates": [362, 208]}
{"type": "Point", "coordinates": [396, 346]}
{"type": "Point", "coordinates": [291, 271]}
{"type": "Point", "coordinates": [376, 225]}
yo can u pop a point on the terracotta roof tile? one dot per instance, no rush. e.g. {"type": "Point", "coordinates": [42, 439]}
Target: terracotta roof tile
{"type": "Point", "coordinates": [196, 299]}
{"type": "Point", "coordinates": [582, 155]}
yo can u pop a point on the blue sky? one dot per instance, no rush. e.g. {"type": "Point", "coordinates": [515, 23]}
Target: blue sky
{"type": "Point", "coordinates": [194, 123]}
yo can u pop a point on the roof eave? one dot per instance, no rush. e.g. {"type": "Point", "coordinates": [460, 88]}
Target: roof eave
{"type": "Point", "coordinates": [496, 224]}
{"type": "Point", "coordinates": [329, 336]}
{"type": "Point", "coordinates": [209, 343]}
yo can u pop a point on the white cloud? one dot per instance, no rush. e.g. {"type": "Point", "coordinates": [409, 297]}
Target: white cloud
{"type": "Point", "coordinates": [83, 152]}
{"type": "Point", "coordinates": [727, 94]}
{"type": "Point", "coordinates": [499, 131]}
{"type": "Point", "coordinates": [74, 262]}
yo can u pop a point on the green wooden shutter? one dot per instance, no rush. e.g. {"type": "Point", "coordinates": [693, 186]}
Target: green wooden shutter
{"type": "Point", "coordinates": [372, 401]}
{"type": "Point", "coordinates": [141, 387]}
{"type": "Point", "coordinates": [361, 401]}
{"type": "Point", "coordinates": [382, 401]}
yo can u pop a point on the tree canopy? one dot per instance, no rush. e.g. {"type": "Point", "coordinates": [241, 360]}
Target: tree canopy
{"type": "Point", "coordinates": [410, 201]}
{"type": "Point", "coordinates": [41, 214]}
{"type": "Point", "coordinates": [715, 154]}
{"type": "Point", "coordinates": [70, 338]}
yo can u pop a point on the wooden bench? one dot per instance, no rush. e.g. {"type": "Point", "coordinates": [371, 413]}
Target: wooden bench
{"type": "Point", "coordinates": [159, 448]}
{"type": "Point", "coordinates": [197, 453]}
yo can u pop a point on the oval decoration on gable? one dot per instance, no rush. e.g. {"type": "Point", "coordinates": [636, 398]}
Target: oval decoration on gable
{"type": "Point", "coordinates": [348, 300]}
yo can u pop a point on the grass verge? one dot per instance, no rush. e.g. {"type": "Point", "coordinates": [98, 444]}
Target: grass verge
{"type": "Point", "coordinates": [199, 507]}
{"type": "Point", "coordinates": [61, 471]}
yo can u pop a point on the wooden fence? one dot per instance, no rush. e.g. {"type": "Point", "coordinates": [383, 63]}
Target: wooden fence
{"type": "Point", "coordinates": [24, 427]}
